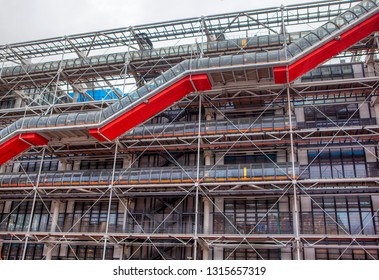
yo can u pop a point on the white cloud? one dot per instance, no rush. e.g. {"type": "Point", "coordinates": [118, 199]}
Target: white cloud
{"type": "Point", "coordinates": [24, 20]}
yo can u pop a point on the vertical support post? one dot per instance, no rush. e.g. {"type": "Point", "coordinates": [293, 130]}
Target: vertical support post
{"type": "Point", "coordinates": [49, 251]}
{"type": "Point", "coordinates": [197, 183]}
{"type": "Point", "coordinates": [294, 182]}
{"type": "Point", "coordinates": [58, 78]}
{"type": "Point", "coordinates": [206, 204]}
{"type": "Point", "coordinates": [49, 248]}
{"type": "Point", "coordinates": [76, 165]}
{"type": "Point", "coordinates": [110, 200]}
{"type": "Point", "coordinates": [202, 38]}
{"type": "Point", "coordinates": [16, 167]}
{"type": "Point", "coordinates": [292, 150]}
{"type": "Point", "coordinates": [62, 165]}
{"type": "Point", "coordinates": [33, 205]}
{"type": "Point", "coordinates": [54, 222]}
{"type": "Point", "coordinates": [206, 218]}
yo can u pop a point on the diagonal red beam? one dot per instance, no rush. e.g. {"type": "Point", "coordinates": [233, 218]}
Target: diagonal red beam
{"type": "Point", "coordinates": [326, 51]}
{"type": "Point", "coordinates": [151, 107]}
{"type": "Point", "coordinates": [19, 144]}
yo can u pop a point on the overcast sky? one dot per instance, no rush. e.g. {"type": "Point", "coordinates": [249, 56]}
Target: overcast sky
{"type": "Point", "coordinates": [25, 20]}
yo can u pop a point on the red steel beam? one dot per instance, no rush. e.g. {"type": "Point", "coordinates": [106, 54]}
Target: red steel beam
{"type": "Point", "coordinates": [151, 107]}
{"type": "Point", "coordinates": [19, 144]}
{"type": "Point", "coordinates": [326, 51]}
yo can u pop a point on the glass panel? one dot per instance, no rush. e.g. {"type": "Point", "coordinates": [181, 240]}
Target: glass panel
{"type": "Point", "coordinates": [339, 21]}
{"type": "Point", "coordinates": [273, 56]}
{"type": "Point", "coordinates": [71, 118]}
{"type": "Point", "coordinates": [348, 16]}
{"type": "Point", "coordinates": [52, 120]}
{"type": "Point", "coordinates": [294, 49]}
{"type": "Point", "coordinates": [237, 59]}
{"type": "Point", "coordinates": [61, 121]}
{"type": "Point", "coordinates": [177, 69]}
{"type": "Point", "coordinates": [203, 63]}
{"type": "Point", "coordinates": [249, 58]}
{"type": "Point", "coordinates": [368, 5]}
{"type": "Point", "coordinates": [226, 60]}
{"type": "Point", "coordinates": [214, 62]}
{"type": "Point", "coordinates": [42, 122]}
{"type": "Point", "coordinates": [168, 75]}
{"type": "Point", "coordinates": [261, 57]}
{"type": "Point", "coordinates": [303, 43]}
{"type": "Point", "coordinates": [322, 32]}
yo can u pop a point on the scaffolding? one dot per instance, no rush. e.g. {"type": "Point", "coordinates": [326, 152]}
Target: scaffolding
{"type": "Point", "coordinates": [229, 136]}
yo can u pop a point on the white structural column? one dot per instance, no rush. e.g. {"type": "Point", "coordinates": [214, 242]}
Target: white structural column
{"type": "Point", "coordinates": [306, 211]}
{"type": "Point", "coordinates": [49, 249]}
{"type": "Point", "coordinates": [208, 158]}
{"type": "Point", "coordinates": [207, 211]}
{"type": "Point", "coordinates": [364, 110]}
{"type": "Point", "coordinates": [285, 210]}
{"type": "Point", "coordinates": [207, 223]}
{"type": "Point", "coordinates": [18, 102]}
{"type": "Point", "coordinates": [206, 203]}
{"type": "Point", "coordinates": [218, 252]}
{"type": "Point", "coordinates": [76, 165]}
{"type": "Point", "coordinates": [62, 165]}
{"type": "Point", "coordinates": [127, 161]}
{"type": "Point", "coordinates": [299, 113]}
{"type": "Point", "coordinates": [375, 202]}
{"type": "Point", "coordinates": [16, 167]}
{"type": "Point", "coordinates": [117, 252]}
{"type": "Point", "coordinates": [295, 202]}
{"type": "Point", "coordinates": [208, 162]}
{"type": "Point", "coordinates": [55, 209]}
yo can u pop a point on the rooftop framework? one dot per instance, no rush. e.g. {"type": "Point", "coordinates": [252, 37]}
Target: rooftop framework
{"type": "Point", "coordinates": [175, 186]}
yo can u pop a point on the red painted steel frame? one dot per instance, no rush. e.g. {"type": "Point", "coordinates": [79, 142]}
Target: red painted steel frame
{"type": "Point", "coordinates": [151, 107]}
{"type": "Point", "coordinates": [19, 144]}
{"type": "Point", "coordinates": [326, 51]}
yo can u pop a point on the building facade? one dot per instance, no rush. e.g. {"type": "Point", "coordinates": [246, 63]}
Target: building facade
{"type": "Point", "coordinates": [248, 135]}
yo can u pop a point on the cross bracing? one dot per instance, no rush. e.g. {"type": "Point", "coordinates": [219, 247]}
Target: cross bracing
{"type": "Point", "coordinates": [217, 25]}
{"type": "Point", "coordinates": [249, 169]}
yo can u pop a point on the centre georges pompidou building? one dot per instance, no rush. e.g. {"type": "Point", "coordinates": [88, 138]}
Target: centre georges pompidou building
{"type": "Point", "coordinates": [246, 135]}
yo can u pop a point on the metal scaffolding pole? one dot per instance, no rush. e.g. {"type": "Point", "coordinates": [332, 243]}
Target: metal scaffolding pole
{"type": "Point", "coordinates": [292, 148]}
{"type": "Point", "coordinates": [110, 200]}
{"type": "Point", "coordinates": [33, 205]}
{"type": "Point", "coordinates": [197, 183]}
{"type": "Point", "coordinates": [239, 95]}
{"type": "Point", "coordinates": [294, 181]}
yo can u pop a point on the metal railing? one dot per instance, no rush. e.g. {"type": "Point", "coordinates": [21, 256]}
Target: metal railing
{"type": "Point", "coordinates": [166, 175]}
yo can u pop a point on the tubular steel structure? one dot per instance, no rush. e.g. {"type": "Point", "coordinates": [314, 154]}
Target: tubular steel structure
{"type": "Point", "coordinates": [247, 135]}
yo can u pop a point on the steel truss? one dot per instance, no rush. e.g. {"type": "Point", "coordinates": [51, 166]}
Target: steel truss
{"type": "Point", "coordinates": [190, 217]}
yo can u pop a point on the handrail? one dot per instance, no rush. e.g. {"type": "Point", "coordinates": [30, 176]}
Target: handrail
{"type": "Point", "coordinates": [143, 55]}
{"type": "Point", "coordinates": [188, 76]}
{"type": "Point", "coordinates": [227, 173]}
